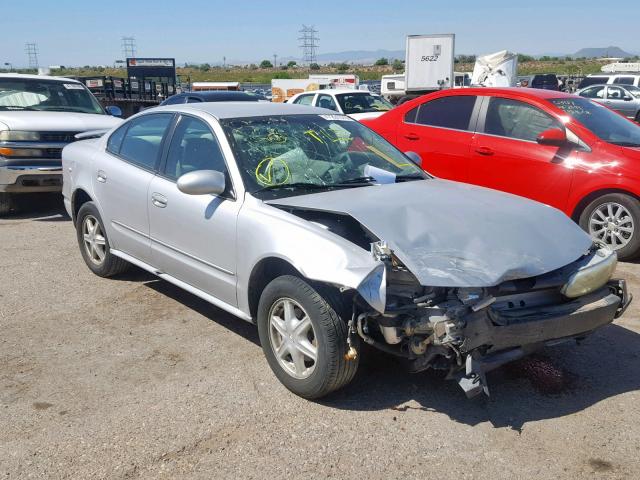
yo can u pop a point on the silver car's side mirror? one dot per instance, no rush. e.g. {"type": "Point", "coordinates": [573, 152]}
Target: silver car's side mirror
{"type": "Point", "coordinates": [414, 157]}
{"type": "Point", "coordinates": [202, 182]}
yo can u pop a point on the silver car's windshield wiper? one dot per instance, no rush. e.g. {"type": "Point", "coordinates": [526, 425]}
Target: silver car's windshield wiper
{"type": "Point", "coordinates": [355, 181]}
{"type": "Point", "coordinates": [303, 185]}
{"type": "Point", "coordinates": [408, 178]}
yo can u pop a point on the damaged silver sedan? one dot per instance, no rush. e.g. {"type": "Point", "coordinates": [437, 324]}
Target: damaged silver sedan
{"type": "Point", "coordinates": [315, 228]}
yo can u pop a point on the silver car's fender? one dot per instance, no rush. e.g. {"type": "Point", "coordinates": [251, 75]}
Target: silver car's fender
{"type": "Point", "coordinates": [266, 232]}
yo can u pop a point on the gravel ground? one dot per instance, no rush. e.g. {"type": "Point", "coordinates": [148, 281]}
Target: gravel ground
{"type": "Point", "coordinates": [134, 378]}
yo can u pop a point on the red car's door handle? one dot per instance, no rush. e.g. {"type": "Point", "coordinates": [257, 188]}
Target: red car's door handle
{"type": "Point", "coordinates": [411, 136]}
{"type": "Point", "coordinates": [484, 151]}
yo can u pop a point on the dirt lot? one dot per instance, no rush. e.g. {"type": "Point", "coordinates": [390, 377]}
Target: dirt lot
{"type": "Point", "coordinates": [133, 378]}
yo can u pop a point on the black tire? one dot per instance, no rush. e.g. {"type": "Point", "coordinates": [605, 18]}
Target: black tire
{"type": "Point", "coordinates": [110, 265]}
{"type": "Point", "coordinates": [6, 203]}
{"type": "Point", "coordinates": [331, 371]}
{"type": "Point", "coordinates": [632, 249]}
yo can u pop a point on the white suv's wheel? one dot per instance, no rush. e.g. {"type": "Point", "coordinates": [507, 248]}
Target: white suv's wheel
{"type": "Point", "coordinates": [303, 338]}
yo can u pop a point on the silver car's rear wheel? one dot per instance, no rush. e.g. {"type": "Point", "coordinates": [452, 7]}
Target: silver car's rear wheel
{"type": "Point", "coordinates": [94, 241]}
{"type": "Point", "coordinates": [612, 224]}
{"type": "Point", "coordinates": [292, 338]}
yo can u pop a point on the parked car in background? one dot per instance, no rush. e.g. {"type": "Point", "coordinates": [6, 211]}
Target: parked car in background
{"type": "Point", "coordinates": [544, 81]}
{"type": "Point", "coordinates": [357, 104]}
{"type": "Point", "coordinates": [632, 79]}
{"type": "Point", "coordinates": [212, 96]}
{"type": "Point", "coordinates": [38, 116]}
{"type": "Point", "coordinates": [307, 223]}
{"type": "Point", "coordinates": [623, 99]}
{"type": "Point", "coordinates": [553, 147]}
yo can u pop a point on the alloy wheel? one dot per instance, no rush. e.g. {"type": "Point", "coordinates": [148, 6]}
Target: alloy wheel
{"type": "Point", "coordinates": [95, 244]}
{"type": "Point", "coordinates": [612, 224]}
{"type": "Point", "coordinates": [292, 338]}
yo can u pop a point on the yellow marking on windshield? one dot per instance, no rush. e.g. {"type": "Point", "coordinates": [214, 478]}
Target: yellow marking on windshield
{"type": "Point", "coordinates": [265, 174]}
{"type": "Point", "coordinates": [387, 157]}
{"type": "Point", "coordinates": [313, 134]}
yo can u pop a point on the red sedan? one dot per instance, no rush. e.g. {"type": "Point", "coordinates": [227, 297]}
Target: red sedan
{"type": "Point", "coordinates": [559, 149]}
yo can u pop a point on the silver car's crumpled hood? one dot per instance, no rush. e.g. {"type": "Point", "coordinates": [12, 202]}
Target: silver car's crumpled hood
{"type": "Point", "coordinates": [451, 234]}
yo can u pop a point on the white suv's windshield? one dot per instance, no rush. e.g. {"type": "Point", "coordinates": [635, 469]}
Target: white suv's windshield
{"type": "Point", "coordinates": [609, 126]}
{"type": "Point", "coordinates": [295, 154]}
{"type": "Point", "coordinates": [46, 95]}
{"type": "Point", "coordinates": [362, 103]}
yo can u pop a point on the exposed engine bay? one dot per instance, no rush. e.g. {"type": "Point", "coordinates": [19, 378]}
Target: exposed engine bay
{"type": "Point", "coordinates": [468, 331]}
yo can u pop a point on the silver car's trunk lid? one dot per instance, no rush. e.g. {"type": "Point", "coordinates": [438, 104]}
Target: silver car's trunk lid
{"type": "Point", "coordinates": [457, 235]}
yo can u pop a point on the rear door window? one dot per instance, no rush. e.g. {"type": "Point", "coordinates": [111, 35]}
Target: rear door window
{"type": "Point", "coordinates": [142, 143]}
{"type": "Point", "coordinates": [518, 120]}
{"type": "Point", "coordinates": [304, 99]}
{"type": "Point", "coordinates": [452, 112]}
{"type": "Point", "coordinates": [623, 80]}
{"type": "Point", "coordinates": [593, 92]}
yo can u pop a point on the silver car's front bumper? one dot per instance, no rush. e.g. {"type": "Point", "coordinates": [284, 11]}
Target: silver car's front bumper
{"type": "Point", "coordinates": [30, 178]}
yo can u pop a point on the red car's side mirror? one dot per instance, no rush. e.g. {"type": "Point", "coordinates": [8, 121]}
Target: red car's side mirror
{"type": "Point", "coordinates": [553, 136]}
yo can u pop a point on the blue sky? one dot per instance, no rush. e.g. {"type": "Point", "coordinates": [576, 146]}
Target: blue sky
{"type": "Point", "coordinates": [74, 32]}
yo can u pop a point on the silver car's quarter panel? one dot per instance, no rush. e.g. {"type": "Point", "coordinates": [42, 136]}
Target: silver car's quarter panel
{"type": "Point", "coordinates": [451, 234]}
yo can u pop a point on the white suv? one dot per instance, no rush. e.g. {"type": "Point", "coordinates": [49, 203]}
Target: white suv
{"type": "Point", "coordinates": [39, 115]}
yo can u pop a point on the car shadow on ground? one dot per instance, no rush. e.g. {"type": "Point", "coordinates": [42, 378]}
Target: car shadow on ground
{"type": "Point", "coordinates": [41, 207]}
{"type": "Point", "coordinates": [555, 382]}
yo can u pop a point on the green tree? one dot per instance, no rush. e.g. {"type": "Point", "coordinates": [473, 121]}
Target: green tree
{"type": "Point", "coordinates": [266, 64]}
{"type": "Point", "coordinates": [314, 66]}
{"type": "Point", "coordinates": [398, 65]}
{"type": "Point", "coordinates": [525, 58]}
{"type": "Point", "coordinates": [382, 61]}
{"type": "Point", "coordinates": [342, 67]}
{"type": "Point", "coordinates": [292, 64]}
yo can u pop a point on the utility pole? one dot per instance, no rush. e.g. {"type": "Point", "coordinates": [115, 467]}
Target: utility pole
{"type": "Point", "coordinates": [129, 48]}
{"type": "Point", "coordinates": [275, 60]}
{"type": "Point", "coordinates": [31, 49]}
{"type": "Point", "coordinates": [309, 43]}
{"type": "Point", "coordinates": [224, 62]}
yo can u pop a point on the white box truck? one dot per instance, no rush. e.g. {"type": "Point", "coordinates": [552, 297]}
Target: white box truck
{"type": "Point", "coordinates": [429, 62]}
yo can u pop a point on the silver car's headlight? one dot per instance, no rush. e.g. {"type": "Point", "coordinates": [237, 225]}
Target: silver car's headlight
{"type": "Point", "coordinates": [591, 276]}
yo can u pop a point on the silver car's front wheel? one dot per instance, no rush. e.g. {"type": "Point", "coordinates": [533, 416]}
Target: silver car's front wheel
{"type": "Point", "coordinates": [612, 224]}
{"type": "Point", "coordinates": [303, 337]}
{"type": "Point", "coordinates": [93, 238]}
{"type": "Point", "coordinates": [292, 338]}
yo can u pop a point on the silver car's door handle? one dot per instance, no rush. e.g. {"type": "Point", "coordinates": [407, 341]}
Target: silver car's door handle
{"type": "Point", "coordinates": [159, 200]}
{"type": "Point", "coordinates": [102, 177]}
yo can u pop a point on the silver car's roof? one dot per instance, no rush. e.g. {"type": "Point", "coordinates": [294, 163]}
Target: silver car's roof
{"type": "Point", "coordinates": [223, 110]}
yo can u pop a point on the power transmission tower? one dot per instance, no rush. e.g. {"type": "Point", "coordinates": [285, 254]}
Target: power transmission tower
{"type": "Point", "coordinates": [31, 49]}
{"type": "Point", "coordinates": [309, 43]}
{"type": "Point", "coordinates": [129, 47]}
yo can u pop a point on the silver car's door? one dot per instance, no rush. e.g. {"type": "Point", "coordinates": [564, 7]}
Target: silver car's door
{"type": "Point", "coordinates": [121, 182]}
{"type": "Point", "coordinates": [619, 100]}
{"type": "Point", "coordinates": [193, 237]}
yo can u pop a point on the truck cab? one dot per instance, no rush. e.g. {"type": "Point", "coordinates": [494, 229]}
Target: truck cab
{"type": "Point", "coordinates": [39, 115]}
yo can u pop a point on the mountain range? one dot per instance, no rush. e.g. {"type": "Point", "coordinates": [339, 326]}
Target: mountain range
{"type": "Point", "coordinates": [368, 57]}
